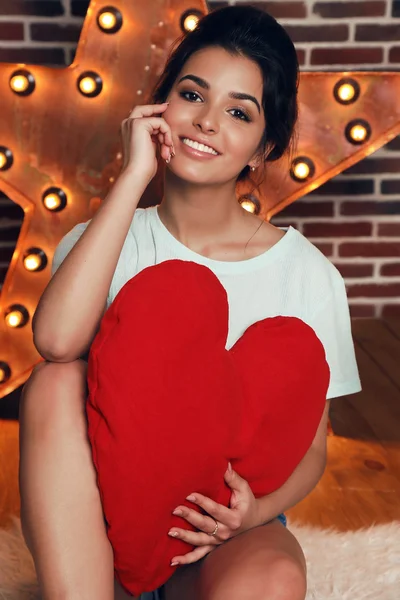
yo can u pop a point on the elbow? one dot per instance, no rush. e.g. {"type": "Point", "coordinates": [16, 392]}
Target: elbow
{"type": "Point", "coordinates": [52, 353]}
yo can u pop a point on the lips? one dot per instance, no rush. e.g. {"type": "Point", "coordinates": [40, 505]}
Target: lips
{"type": "Point", "coordinates": [199, 142]}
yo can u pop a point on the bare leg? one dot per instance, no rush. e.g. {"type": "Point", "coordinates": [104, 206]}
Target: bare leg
{"type": "Point", "coordinates": [61, 513]}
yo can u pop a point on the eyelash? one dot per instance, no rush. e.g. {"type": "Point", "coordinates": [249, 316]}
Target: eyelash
{"type": "Point", "coordinates": [245, 113]}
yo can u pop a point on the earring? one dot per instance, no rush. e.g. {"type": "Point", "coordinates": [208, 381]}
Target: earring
{"type": "Point", "coordinates": [253, 168]}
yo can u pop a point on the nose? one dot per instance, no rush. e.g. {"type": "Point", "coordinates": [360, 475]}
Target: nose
{"type": "Point", "coordinates": [206, 120]}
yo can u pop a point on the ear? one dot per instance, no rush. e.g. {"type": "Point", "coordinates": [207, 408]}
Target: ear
{"type": "Point", "coordinates": [261, 157]}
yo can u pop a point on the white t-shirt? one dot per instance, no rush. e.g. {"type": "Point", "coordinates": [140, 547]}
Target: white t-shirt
{"type": "Point", "coordinates": [293, 278]}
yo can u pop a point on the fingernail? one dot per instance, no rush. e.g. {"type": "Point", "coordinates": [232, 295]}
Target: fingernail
{"type": "Point", "coordinates": [173, 564]}
{"type": "Point", "coordinates": [230, 467]}
{"type": "Point", "coordinates": [173, 533]}
{"type": "Point", "coordinates": [191, 498]}
{"type": "Point", "coordinates": [177, 511]}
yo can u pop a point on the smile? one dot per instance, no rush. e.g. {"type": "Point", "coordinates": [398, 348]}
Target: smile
{"type": "Point", "coordinates": [199, 150]}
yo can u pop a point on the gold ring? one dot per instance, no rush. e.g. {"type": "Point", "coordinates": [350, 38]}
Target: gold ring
{"type": "Point", "coordinates": [216, 528]}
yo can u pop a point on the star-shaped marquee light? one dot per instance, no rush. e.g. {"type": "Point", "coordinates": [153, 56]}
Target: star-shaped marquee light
{"type": "Point", "coordinates": [60, 147]}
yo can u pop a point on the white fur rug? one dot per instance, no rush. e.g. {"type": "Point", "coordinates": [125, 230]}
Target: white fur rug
{"type": "Point", "coordinates": [355, 565]}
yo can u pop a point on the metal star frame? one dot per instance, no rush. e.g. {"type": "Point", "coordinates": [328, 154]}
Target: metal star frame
{"type": "Point", "coordinates": [60, 143]}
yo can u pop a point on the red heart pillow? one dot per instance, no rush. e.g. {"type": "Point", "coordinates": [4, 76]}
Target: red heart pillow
{"type": "Point", "coordinates": [169, 406]}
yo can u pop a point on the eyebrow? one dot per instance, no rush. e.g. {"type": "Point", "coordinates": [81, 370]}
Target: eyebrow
{"type": "Point", "coordinates": [237, 95]}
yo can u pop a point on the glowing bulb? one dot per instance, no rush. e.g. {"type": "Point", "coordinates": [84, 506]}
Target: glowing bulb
{"type": "Point", "coordinates": [32, 262]}
{"type": "Point", "coordinates": [51, 201]}
{"type": "Point", "coordinates": [87, 85]}
{"type": "Point", "coordinates": [358, 133]}
{"type": "Point", "coordinates": [190, 22]}
{"type": "Point", "coordinates": [107, 20]}
{"type": "Point", "coordinates": [249, 206]}
{"type": "Point", "coordinates": [19, 83]}
{"type": "Point", "coordinates": [346, 92]}
{"type": "Point", "coordinates": [14, 318]}
{"type": "Point", "coordinates": [6, 158]}
{"type": "Point", "coordinates": [54, 199]}
{"type": "Point", "coordinates": [301, 170]}
{"type": "Point", "coordinates": [90, 84]}
{"type": "Point", "coordinates": [22, 82]}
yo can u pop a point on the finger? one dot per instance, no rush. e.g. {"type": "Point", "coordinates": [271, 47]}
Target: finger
{"type": "Point", "coordinates": [199, 520]}
{"type": "Point", "coordinates": [195, 538]}
{"type": "Point", "coordinates": [193, 556]}
{"type": "Point", "coordinates": [221, 513]}
{"type": "Point", "coordinates": [155, 125]}
{"type": "Point", "coordinates": [236, 482]}
{"type": "Point", "coordinates": [147, 110]}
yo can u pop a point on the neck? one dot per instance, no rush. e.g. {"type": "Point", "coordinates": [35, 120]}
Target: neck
{"type": "Point", "coordinates": [199, 213]}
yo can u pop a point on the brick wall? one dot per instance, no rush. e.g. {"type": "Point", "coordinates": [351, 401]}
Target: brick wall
{"type": "Point", "coordinates": [355, 218]}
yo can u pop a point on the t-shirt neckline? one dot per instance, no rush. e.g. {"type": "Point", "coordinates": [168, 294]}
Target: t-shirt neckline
{"type": "Point", "coordinates": [223, 266]}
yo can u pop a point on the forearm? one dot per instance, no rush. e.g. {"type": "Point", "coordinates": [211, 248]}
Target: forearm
{"type": "Point", "coordinates": [301, 482]}
{"type": "Point", "coordinates": [70, 308]}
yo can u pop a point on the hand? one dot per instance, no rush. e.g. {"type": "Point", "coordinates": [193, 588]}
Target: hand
{"type": "Point", "coordinates": [241, 516]}
{"type": "Point", "coordinates": [140, 133]}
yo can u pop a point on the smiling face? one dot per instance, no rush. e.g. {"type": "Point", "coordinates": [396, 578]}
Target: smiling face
{"type": "Point", "coordinates": [202, 107]}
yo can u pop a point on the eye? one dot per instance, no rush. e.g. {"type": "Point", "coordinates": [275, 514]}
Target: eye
{"type": "Point", "coordinates": [242, 112]}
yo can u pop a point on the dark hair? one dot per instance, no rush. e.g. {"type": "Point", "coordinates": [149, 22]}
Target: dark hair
{"type": "Point", "coordinates": [250, 32]}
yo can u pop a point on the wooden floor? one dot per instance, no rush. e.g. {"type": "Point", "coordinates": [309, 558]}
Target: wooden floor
{"type": "Point", "coordinates": [361, 484]}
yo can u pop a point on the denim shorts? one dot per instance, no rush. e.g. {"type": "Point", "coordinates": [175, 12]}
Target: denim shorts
{"type": "Point", "coordinates": [158, 593]}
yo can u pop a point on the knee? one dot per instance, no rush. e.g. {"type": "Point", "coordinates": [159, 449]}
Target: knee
{"type": "Point", "coordinates": [282, 579]}
{"type": "Point", "coordinates": [50, 388]}
{"type": "Point", "coordinates": [286, 579]}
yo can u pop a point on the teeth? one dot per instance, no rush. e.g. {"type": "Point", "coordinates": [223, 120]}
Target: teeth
{"type": "Point", "coordinates": [198, 146]}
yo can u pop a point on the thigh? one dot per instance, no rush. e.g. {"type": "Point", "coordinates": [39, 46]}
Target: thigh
{"type": "Point", "coordinates": [247, 566]}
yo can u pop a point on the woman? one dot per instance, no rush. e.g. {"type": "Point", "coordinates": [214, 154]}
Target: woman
{"type": "Point", "coordinates": [266, 270]}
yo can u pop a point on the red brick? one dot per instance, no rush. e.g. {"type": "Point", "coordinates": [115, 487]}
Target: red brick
{"type": "Point", "coordinates": [42, 8]}
{"type": "Point", "coordinates": [10, 233]}
{"type": "Point", "coordinates": [332, 229]}
{"type": "Point", "coordinates": [300, 208]}
{"type": "Point", "coordinates": [369, 249]}
{"type": "Point", "coordinates": [358, 311]}
{"type": "Point", "coordinates": [79, 7]}
{"type": "Point", "coordinates": [375, 165]}
{"type": "Point", "coordinates": [355, 269]}
{"type": "Point", "coordinates": [37, 56]}
{"type": "Point", "coordinates": [367, 207]}
{"type": "Point", "coordinates": [345, 187]}
{"type": "Point", "coordinates": [6, 254]}
{"type": "Point", "coordinates": [394, 144]}
{"type": "Point", "coordinates": [390, 186]}
{"type": "Point", "coordinates": [346, 56]}
{"type": "Point", "coordinates": [283, 10]}
{"type": "Point", "coordinates": [217, 5]}
{"type": "Point", "coordinates": [389, 229]}
{"type": "Point", "coordinates": [391, 310]}
{"type": "Point", "coordinates": [301, 55]}
{"type": "Point", "coordinates": [51, 32]}
{"type": "Point", "coordinates": [395, 8]}
{"type": "Point", "coordinates": [10, 210]}
{"type": "Point", "coordinates": [390, 270]}
{"type": "Point", "coordinates": [11, 31]}
{"type": "Point", "coordinates": [377, 33]}
{"type": "Point", "coordinates": [318, 33]}
{"type": "Point", "coordinates": [373, 290]}
{"type": "Point", "coordinates": [326, 249]}
{"type": "Point", "coordinates": [344, 10]}
{"type": "Point", "coordinates": [394, 54]}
